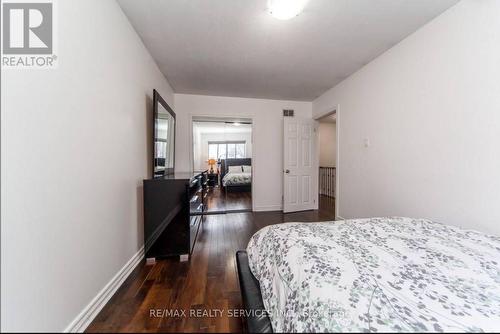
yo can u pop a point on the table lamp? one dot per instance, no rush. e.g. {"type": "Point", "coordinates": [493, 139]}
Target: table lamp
{"type": "Point", "coordinates": [211, 163]}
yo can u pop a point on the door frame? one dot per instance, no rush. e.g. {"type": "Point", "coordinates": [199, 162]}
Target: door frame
{"type": "Point", "coordinates": [334, 110]}
{"type": "Point", "coordinates": [251, 117]}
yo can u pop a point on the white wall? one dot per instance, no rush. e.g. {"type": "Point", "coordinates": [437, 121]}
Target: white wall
{"type": "Point", "coordinates": [74, 153]}
{"type": "Point", "coordinates": [327, 144]}
{"type": "Point", "coordinates": [267, 145]}
{"type": "Point", "coordinates": [430, 108]}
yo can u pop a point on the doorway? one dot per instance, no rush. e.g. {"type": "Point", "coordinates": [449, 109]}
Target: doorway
{"type": "Point", "coordinates": [223, 148]}
{"type": "Point", "coordinates": [328, 153]}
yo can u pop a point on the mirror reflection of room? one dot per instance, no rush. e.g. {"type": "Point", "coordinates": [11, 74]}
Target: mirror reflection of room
{"type": "Point", "coordinates": [223, 147]}
{"type": "Point", "coordinates": [164, 137]}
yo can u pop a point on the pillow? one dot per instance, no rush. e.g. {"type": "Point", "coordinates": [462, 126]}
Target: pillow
{"type": "Point", "coordinates": [247, 169]}
{"type": "Point", "coordinates": [234, 169]}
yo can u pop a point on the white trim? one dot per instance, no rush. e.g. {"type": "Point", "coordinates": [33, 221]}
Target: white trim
{"type": "Point", "coordinates": [339, 218]}
{"type": "Point", "coordinates": [87, 315]}
{"type": "Point", "coordinates": [337, 162]}
{"type": "Point", "coordinates": [316, 164]}
{"type": "Point", "coordinates": [268, 208]}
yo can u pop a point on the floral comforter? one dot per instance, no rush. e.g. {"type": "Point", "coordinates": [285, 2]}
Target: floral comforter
{"type": "Point", "coordinates": [377, 275]}
{"type": "Point", "coordinates": [237, 179]}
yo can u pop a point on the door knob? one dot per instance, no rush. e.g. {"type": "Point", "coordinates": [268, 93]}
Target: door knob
{"type": "Point", "coordinates": [287, 171]}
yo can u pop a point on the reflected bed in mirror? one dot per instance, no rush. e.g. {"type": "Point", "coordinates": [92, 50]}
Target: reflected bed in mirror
{"type": "Point", "coordinates": [164, 137]}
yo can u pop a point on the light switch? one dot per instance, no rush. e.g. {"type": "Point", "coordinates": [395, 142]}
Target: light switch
{"type": "Point", "coordinates": [367, 142]}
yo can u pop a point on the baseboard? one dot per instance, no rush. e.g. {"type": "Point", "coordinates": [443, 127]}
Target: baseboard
{"type": "Point", "coordinates": [340, 218]}
{"type": "Point", "coordinates": [268, 208]}
{"type": "Point", "coordinates": [87, 315]}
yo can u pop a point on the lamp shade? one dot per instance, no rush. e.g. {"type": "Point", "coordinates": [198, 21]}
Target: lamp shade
{"type": "Point", "coordinates": [211, 163]}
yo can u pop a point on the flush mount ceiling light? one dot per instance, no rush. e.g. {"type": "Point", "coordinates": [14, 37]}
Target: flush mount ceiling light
{"type": "Point", "coordinates": [286, 9]}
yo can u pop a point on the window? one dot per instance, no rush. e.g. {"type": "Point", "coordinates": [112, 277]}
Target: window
{"type": "Point", "coordinates": [226, 150]}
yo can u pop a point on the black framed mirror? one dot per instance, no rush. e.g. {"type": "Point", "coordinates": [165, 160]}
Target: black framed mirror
{"type": "Point", "coordinates": [163, 137]}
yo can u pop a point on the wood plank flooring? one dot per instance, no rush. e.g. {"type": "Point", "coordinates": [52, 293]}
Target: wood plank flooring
{"type": "Point", "coordinates": [208, 282]}
{"type": "Point", "coordinates": [218, 200]}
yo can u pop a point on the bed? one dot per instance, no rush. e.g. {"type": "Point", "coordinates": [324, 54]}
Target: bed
{"type": "Point", "coordinates": [236, 180]}
{"type": "Point", "coordinates": [371, 275]}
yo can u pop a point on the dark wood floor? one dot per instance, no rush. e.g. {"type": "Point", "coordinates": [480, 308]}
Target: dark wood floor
{"type": "Point", "coordinates": [219, 200]}
{"type": "Point", "coordinates": [207, 282]}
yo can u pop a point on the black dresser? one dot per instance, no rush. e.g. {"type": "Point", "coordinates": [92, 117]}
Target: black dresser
{"type": "Point", "coordinates": [173, 213]}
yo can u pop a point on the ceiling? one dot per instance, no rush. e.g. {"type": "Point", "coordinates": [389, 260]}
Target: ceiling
{"type": "Point", "coordinates": [329, 119]}
{"type": "Point", "coordinates": [221, 127]}
{"type": "Point", "coordinates": [235, 48]}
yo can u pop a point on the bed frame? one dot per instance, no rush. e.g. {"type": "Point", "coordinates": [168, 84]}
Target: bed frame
{"type": "Point", "coordinates": [257, 320]}
{"type": "Point", "coordinates": [225, 163]}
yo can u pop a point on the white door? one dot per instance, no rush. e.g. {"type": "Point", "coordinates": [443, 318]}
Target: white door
{"type": "Point", "coordinates": [300, 171]}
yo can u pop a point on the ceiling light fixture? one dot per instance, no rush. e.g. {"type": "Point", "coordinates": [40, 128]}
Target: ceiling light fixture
{"type": "Point", "coordinates": [285, 9]}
